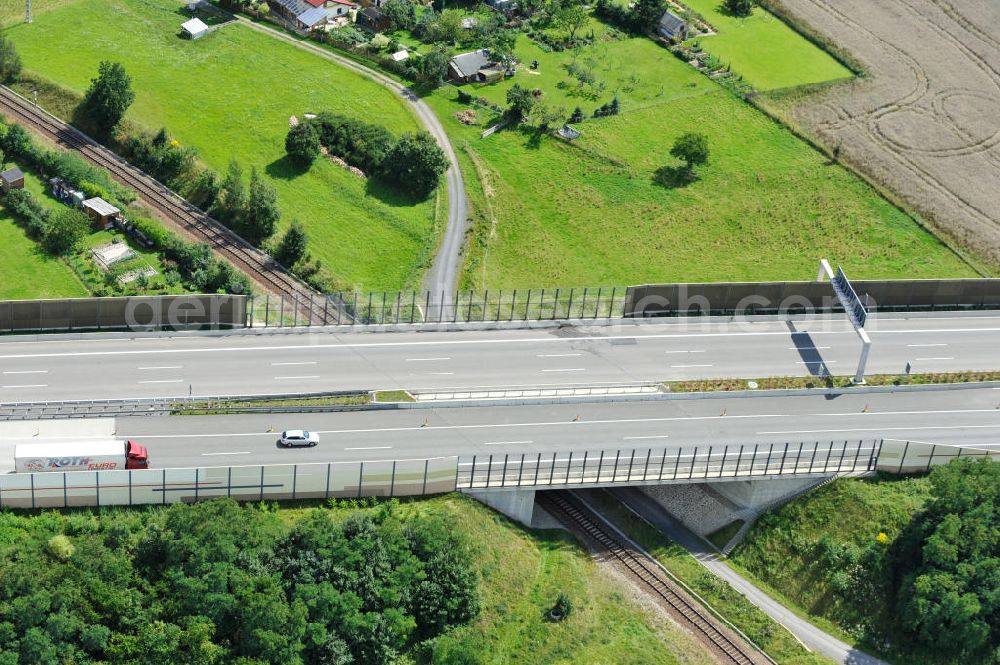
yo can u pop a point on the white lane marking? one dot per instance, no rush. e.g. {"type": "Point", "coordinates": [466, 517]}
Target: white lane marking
{"type": "Point", "coordinates": [28, 371]}
{"type": "Point", "coordinates": [288, 378]}
{"type": "Point", "coordinates": [518, 340]}
{"type": "Point", "coordinates": [815, 362]}
{"type": "Point", "coordinates": [308, 362]}
{"type": "Point", "coordinates": [442, 373]}
{"type": "Point", "coordinates": [506, 443]}
{"type": "Point", "coordinates": [419, 360]}
{"type": "Point", "coordinates": [29, 385]}
{"type": "Point", "coordinates": [165, 381]}
{"type": "Point", "coordinates": [163, 367]}
{"type": "Point", "coordinates": [371, 448]}
{"type": "Point", "coordinates": [915, 428]}
{"type": "Point", "coordinates": [657, 436]}
{"type": "Point", "coordinates": [924, 345]}
{"type": "Point", "coordinates": [808, 348]}
{"type": "Point", "coordinates": [698, 351]}
{"type": "Point", "coordinates": [684, 366]}
{"type": "Point", "coordinates": [242, 452]}
{"type": "Point", "coordinates": [568, 369]}
{"type": "Point", "coordinates": [558, 355]}
{"type": "Point", "coordinates": [935, 359]}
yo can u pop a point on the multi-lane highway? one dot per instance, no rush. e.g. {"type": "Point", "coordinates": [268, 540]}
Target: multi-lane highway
{"type": "Point", "coordinates": [94, 368]}
{"type": "Point", "coordinates": [962, 417]}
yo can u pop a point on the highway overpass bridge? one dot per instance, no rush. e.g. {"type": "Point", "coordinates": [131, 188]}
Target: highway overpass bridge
{"type": "Point", "coordinates": [514, 450]}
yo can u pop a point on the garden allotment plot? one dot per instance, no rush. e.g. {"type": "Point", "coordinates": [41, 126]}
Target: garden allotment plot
{"type": "Point", "coordinates": [230, 94]}
{"type": "Point", "coordinates": [590, 212]}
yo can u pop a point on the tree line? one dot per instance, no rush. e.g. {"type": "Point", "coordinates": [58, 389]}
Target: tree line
{"type": "Point", "coordinates": [219, 583]}
{"type": "Point", "coordinates": [412, 163]}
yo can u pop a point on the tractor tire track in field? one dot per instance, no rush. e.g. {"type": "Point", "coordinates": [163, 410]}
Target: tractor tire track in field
{"type": "Point", "coordinates": [927, 123]}
{"type": "Point", "coordinates": [442, 278]}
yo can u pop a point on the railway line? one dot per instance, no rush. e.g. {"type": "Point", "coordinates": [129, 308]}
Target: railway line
{"type": "Point", "coordinates": [193, 222]}
{"type": "Point", "coordinates": [729, 648]}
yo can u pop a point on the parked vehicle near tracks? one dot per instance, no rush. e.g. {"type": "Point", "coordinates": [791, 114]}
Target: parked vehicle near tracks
{"type": "Point", "coordinates": [99, 455]}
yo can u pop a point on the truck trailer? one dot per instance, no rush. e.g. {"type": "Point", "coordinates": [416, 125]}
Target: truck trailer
{"type": "Point", "coordinates": [97, 455]}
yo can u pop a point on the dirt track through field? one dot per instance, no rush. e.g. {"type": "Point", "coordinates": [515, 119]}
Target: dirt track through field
{"type": "Point", "coordinates": [926, 123]}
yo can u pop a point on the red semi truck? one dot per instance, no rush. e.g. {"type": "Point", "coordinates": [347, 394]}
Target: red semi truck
{"type": "Point", "coordinates": [97, 455]}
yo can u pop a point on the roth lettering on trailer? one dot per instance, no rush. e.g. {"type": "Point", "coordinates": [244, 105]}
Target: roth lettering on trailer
{"type": "Point", "coordinates": [62, 462]}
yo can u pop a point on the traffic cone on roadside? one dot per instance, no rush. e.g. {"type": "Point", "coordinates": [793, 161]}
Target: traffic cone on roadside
{"type": "Point", "coordinates": [723, 412]}
{"type": "Point", "coordinates": [427, 422]}
{"type": "Point", "coordinates": [865, 410]}
{"type": "Point", "coordinates": [576, 419]}
{"type": "Point", "coordinates": [270, 428]}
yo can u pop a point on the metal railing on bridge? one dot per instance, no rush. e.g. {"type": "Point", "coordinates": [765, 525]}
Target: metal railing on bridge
{"type": "Point", "coordinates": [652, 465]}
{"type": "Point", "coordinates": [405, 307]}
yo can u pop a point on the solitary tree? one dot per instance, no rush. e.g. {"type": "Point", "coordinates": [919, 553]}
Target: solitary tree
{"type": "Point", "coordinates": [65, 230]}
{"type": "Point", "coordinates": [262, 214]}
{"type": "Point", "coordinates": [646, 14]}
{"type": "Point", "coordinates": [571, 18]}
{"type": "Point", "coordinates": [293, 245]}
{"type": "Point", "coordinates": [109, 96]}
{"type": "Point", "coordinates": [738, 7]}
{"type": "Point", "coordinates": [10, 61]}
{"type": "Point", "coordinates": [402, 14]}
{"type": "Point", "coordinates": [520, 101]}
{"type": "Point", "coordinates": [434, 66]}
{"type": "Point", "coordinates": [302, 143]}
{"type": "Point", "coordinates": [692, 149]}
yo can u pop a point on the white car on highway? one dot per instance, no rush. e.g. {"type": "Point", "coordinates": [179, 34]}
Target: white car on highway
{"type": "Point", "coordinates": [298, 437]}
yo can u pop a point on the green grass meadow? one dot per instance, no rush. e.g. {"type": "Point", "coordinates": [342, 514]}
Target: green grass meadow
{"type": "Point", "coordinates": [766, 206]}
{"type": "Point", "coordinates": [26, 271]}
{"type": "Point", "coordinates": [523, 571]}
{"type": "Point", "coordinates": [764, 50]}
{"type": "Point", "coordinates": [230, 94]}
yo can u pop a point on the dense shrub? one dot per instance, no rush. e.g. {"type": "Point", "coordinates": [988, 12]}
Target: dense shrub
{"type": "Point", "coordinates": [415, 164]}
{"type": "Point", "coordinates": [948, 565]}
{"type": "Point", "coordinates": [159, 155]}
{"type": "Point", "coordinates": [216, 583]}
{"type": "Point", "coordinates": [66, 228]}
{"type": "Point", "coordinates": [10, 60]}
{"type": "Point", "coordinates": [302, 143]}
{"type": "Point", "coordinates": [358, 143]}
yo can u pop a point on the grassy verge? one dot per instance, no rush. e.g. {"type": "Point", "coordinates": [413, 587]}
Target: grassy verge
{"type": "Point", "coordinates": [208, 94]}
{"type": "Point", "coordinates": [721, 537]}
{"type": "Point", "coordinates": [211, 408]}
{"type": "Point", "coordinates": [393, 396]}
{"type": "Point", "coordinates": [812, 550]}
{"type": "Point", "coordinates": [523, 571]}
{"type": "Point", "coordinates": [760, 628]}
{"type": "Point", "coordinates": [796, 382]}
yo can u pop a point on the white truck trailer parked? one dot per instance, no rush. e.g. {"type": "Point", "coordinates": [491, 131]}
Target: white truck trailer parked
{"type": "Point", "coordinates": [96, 455]}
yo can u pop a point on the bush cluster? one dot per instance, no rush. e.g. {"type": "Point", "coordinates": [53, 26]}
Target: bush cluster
{"type": "Point", "coordinates": [216, 583]}
{"type": "Point", "coordinates": [412, 163]}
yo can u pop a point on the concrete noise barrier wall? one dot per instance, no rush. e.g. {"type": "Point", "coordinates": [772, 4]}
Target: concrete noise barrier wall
{"type": "Point", "coordinates": [135, 313]}
{"type": "Point", "coordinates": [793, 297]}
{"type": "Point", "coordinates": [412, 477]}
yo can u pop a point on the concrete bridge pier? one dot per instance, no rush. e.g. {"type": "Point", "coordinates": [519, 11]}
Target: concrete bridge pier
{"type": "Point", "coordinates": [518, 505]}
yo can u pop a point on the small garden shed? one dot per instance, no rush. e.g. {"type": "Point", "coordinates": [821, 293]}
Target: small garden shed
{"type": "Point", "coordinates": [194, 28]}
{"type": "Point", "coordinates": [101, 213]}
{"type": "Point", "coordinates": [10, 179]}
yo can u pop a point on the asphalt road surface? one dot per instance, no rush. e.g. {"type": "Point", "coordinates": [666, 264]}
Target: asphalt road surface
{"type": "Point", "coordinates": [966, 417]}
{"type": "Point", "coordinates": [629, 352]}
